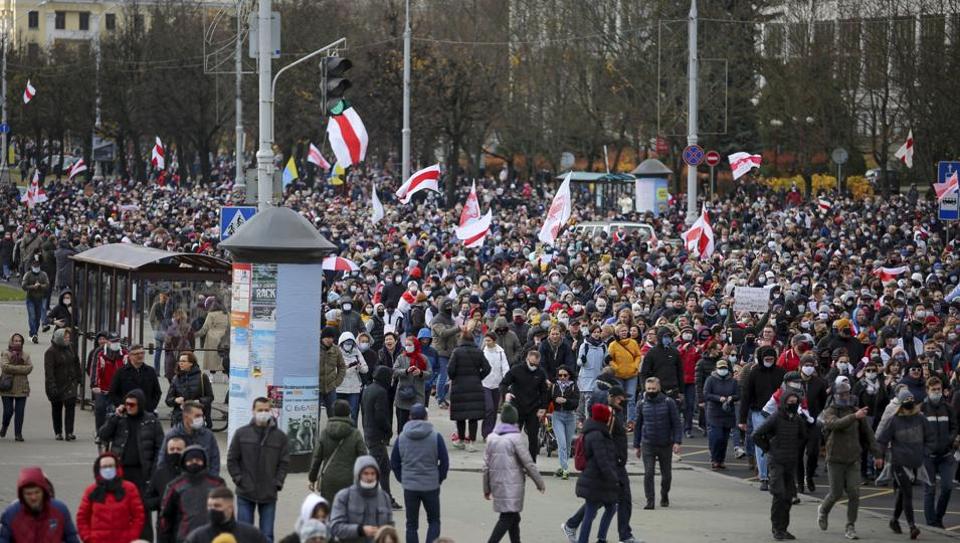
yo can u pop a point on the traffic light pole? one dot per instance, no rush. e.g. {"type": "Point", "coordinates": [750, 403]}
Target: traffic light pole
{"type": "Point", "coordinates": [273, 87]}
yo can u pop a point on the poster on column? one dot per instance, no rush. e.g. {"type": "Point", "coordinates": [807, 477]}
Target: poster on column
{"type": "Point", "coordinates": [300, 417]}
{"type": "Point", "coordinates": [263, 324]}
{"type": "Point", "coordinates": [239, 411]}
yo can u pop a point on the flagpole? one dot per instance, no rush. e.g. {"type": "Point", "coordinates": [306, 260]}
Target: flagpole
{"type": "Point", "coordinates": [3, 91]}
{"type": "Point", "coordinates": [405, 148]}
{"type": "Point", "coordinates": [692, 103]}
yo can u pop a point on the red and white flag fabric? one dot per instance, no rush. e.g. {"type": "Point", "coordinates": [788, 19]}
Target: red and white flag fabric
{"type": "Point", "coordinates": [890, 274]}
{"type": "Point", "coordinates": [824, 204]}
{"type": "Point", "coordinates": [315, 157]}
{"type": "Point", "coordinates": [425, 179]}
{"type": "Point", "coordinates": [35, 194]}
{"type": "Point", "coordinates": [339, 264]}
{"type": "Point", "coordinates": [741, 163]}
{"type": "Point", "coordinates": [377, 212]}
{"type": "Point", "coordinates": [947, 188]}
{"type": "Point", "coordinates": [348, 137]}
{"type": "Point", "coordinates": [905, 152]}
{"type": "Point", "coordinates": [78, 167]}
{"type": "Point", "coordinates": [699, 239]}
{"type": "Point", "coordinates": [560, 210]}
{"type": "Point", "coordinates": [473, 228]}
{"type": "Point", "coordinates": [156, 156]}
{"type": "Point", "coordinates": [28, 93]}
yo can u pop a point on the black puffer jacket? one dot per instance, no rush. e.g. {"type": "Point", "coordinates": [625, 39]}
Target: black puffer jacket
{"type": "Point", "coordinates": [129, 378]}
{"type": "Point", "coordinates": [599, 482]}
{"type": "Point", "coordinates": [115, 433]}
{"type": "Point", "coordinates": [61, 369]}
{"type": "Point", "coordinates": [782, 434]}
{"type": "Point", "coordinates": [375, 402]}
{"type": "Point", "coordinates": [257, 461]}
{"type": "Point", "coordinates": [192, 385]}
{"type": "Point", "coordinates": [467, 369]}
{"type": "Point", "coordinates": [663, 363]}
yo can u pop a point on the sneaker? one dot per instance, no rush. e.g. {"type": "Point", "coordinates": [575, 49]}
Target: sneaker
{"type": "Point", "coordinates": [764, 485]}
{"type": "Point", "coordinates": [18, 438]}
{"type": "Point", "coordinates": [664, 502]}
{"type": "Point", "coordinates": [795, 500]}
{"type": "Point", "coordinates": [721, 465]}
{"type": "Point", "coordinates": [788, 535]}
{"type": "Point", "coordinates": [739, 452]}
{"type": "Point", "coordinates": [71, 437]}
{"type": "Point", "coordinates": [459, 445]}
{"type": "Point", "coordinates": [558, 473]}
{"type": "Point", "coordinates": [778, 535]}
{"type": "Point", "coordinates": [688, 434]}
{"type": "Point", "coordinates": [59, 437]}
{"type": "Point", "coordinates": [470, 447]}
{"type": "Point", "coordinates": [649, 505]}
{"type": "Point", "coordinates": [850, 532]}
{"type": "Point", "coordinates": [394, 505]}
{"type": "Point", "coordinates": [821, 518]}
{"type": "Point", "coordinates": [3, 431]}
{"type": "Point", "coordinates": [714, 466]}
{"type": "Point", "coordinates": [895, 526]}
{"type": "Point", "coordinates": [914, 532]}
{"type": "Point", "coordinates": [566, 475]}
{"type": "Point", "coordinates": [35, 339]}
{"type": "Point", "coordinates": [934, 524]}
{"type": "Point", "coordinates": [569, 532]}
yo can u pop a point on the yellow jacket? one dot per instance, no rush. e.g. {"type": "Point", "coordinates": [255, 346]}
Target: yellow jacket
{"type": "Point", "coordinates": [625, 358]}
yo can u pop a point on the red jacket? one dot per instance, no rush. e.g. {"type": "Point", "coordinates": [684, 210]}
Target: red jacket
{"type": "Point", "coordinates": [789, 360]}
{"type": "Point", "coordinates": [52, 525]}
{"type": "Point", "coordinates": [689, 356]}
{"type": "Point", "coordinates": [104, 369]}
{"type": "Point", "coordinates": [111, 520]}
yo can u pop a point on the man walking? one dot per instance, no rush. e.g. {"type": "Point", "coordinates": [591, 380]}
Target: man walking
{"type": "Point", "coordinates": [781, 436]}
{"type": "Point", "coordinates": [763, 380]}
{"type": "Point", "coordinates": [36, 284]}
{"type": "Point", "coordinates": [377, 428]}
{"type": "Point", "coordinates": [332, 368]}
{"type": "Point", "coordinates": [527, 385]}
{"type": "Point", "coordinates": [657, 436]}
{"type": "Point", "coordinates": [942, 425]}
{"type": "Point", "coordinates": [182, 508]}
{"type": "Point", "coordinates": [846, 428]}
{"type": "Point", "coordinates": [193, 432]}
{"type": "Point", "coordinates": [136, 375]}
{"type": "Point", "coordinates": [257, 461]}
{"type": "Point", "coordinates": [220, 512]}
{"type": "Point", "coordinates": [445, 333]}
{"type": "Point", "coordinates": [420, 464]}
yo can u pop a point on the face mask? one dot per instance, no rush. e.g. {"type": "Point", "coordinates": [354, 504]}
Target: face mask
{"type": "Point", "coordinates": [908, 405]}
{"type": "Point", "coordinates": [518, 320]}
{"type": "Point", "coordinates": [935, 397]}
{"type": "Point", "coordinates": [768, 363]}
{"type": "Point", "coordinates": [808, 370]}
{"type": "Point", "coordinates": [871, 375]}
{"type": "Point", "coordinates": [114, 346]}
{"type": "Point", "coordinates": [687, 337]}
{"type": "Point", "coordinates": [651, 395]}
{"type": "Point", "coordinates": [843, 402]}
{"type": "Point", "coordinates": [217, 518]}
{"type": "Point", "coordinates": [531, 367]}
{"type": "Point", "coordinates": [262, 417]}
{"type": "Point", "coordinates": [197, 423]}
{"type": "Point", "coordinates": [792, 407]}
{"type": "Point", "coordinates": [347, 307]}
{"type": "Point", "coordinates": [408, 348]}
{"type": "Point", "coordinates": [732, 358]}
{"type": "Point", "coordinates": [666, 341]}
{"type": "Point", "coordinates": [368, 485]}
{"type": "Point", "coordinates": [805, 324]}
{"type": "Point", "coordinates": [194, 468]}
{"type": "Point", "coordinates": [173, 459]}
{"type": "Point", "coordinates": [723, 372]}
{"type": "Point", "coordinates": [108, 474]}
{"type": "Point", "coordinates": [67, 302]}
{"type": "Point", "coordinates": [364, 346]}
{"type": "Point", "coordinates": [35, 269]}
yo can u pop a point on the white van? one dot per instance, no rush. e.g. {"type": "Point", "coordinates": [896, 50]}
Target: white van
{"type": "Point", "coordinates": [593, 228]}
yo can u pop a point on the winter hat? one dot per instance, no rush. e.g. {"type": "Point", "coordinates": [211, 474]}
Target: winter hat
{"type": "Point", "coordinates": [328, 332]}
{"type": "Point", "coordinates": [509, 415]}
{"type": "Point", "coordinates": [905, 396]}
{"type": "Point", "coordinates": [424, 333]}
{"type": "Point", "coordinates": [842, 388]}
{"type": "Point", "coordinates": [600, 412]}
{"type": "Point", "coordinates": [341, 408]}
{"type": "Point", "coordinates": [312, 528]}
{"type": "Point", "coordinates": [616, 390]}
{"type": "Point", "coordinates": [418, 412]}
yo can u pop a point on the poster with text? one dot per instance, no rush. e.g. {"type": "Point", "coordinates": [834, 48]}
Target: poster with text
{"type": "Point", "coordinates": [300, 417]}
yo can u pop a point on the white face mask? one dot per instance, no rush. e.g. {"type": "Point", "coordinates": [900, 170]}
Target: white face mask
{"type": "Point", "coordinates": [347, 346]}
{"type": "Point", "coordinates": [687, 337]}
{"type": "Point", "coordinates": [768, 363]}
{"type": "Point", "coordinates": [364, 346]}
{"type": "Point", "coordinates": [368, 485]}
{"type": "Point", "coordinates": [723, 372]}
{"type": "Point", "coordinates": [408, 348]}
{"type": "Point", "coordinates": [67, 301]}
{"type": "Point", "coordinates": [261, 417]}
{"type": "Point", "coordinates": [531, 367]}
{"type": "Point", "coordinates": [197, 423]}
{"type": "Point", "coordinates": [808, 370]}
{"type": "Point", "coordinates": [114, 346]}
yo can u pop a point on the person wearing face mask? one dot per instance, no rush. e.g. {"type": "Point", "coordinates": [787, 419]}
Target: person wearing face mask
{"type": "Point", "coordinates": [590, 363]}
{"type": "Point", "coordinates": [814, 393]}
{"type": "Point", "coordinates": [111, 510]}
{"type": "Point", "coordinates": [425, 337]}
{"type": "Point", "coordinates": [690, 352]}
{"type": "Point", "coordinates": [942, 425]}
{"type": "Point", "coordinates": [781, 436]}
{"type": "Point", "coordinates": [193, 431]}
{"type": "Point", "coordinates": [356, 367]}
{"type": "Point", "coordinates": [842, 337]}
{"type": "Point", "coordinates": [62, 377]}
{"type": "Point", "coordinates": [189, 384]}
{"type": "Point", "coordinates": [221, 520]}
{"type": "Point", "coordinates": [61, 316]}
{"type": "Point", "coordinates": [759, 385]}
{"type": "Point", "coordinates": [16, 367]}
{"type": "Point", "coordinates": [165, 472]}
{"type": "Point", "coordinates": [183, 506]}
{"type": "Point", "coordinates": [350, 319]}
{"type": "Point", "coordinates": [109, 360]}
{"type": "Point", "coordinates": [720, 394]}
{"type": "Point", "coordinates": [333, 369]}
{"type": "Point", "coordinates": [411, 373]}
{"type": "Point", "coordinates": [393, 289]}
{"type": "Point", "coordinates": [36, 284]}
{"type": "Point", "coordinates": [913, 379]}
{"type": "Point", "coordinates": [663, 362]}
{"type": "Point", "coordinates": [906, 435]}
{"type": "Point", "coordinates": [361, 509]}
{"type": "Point", "coordinates": [445, 334]}
{"type": "Point", "coordinates": [657, 434]}
{"type": "Point", "coordinates": [257, 461]}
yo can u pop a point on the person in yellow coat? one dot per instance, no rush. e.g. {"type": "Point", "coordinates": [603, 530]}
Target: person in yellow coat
{"type": "Point", "coordinates": [624, 355]}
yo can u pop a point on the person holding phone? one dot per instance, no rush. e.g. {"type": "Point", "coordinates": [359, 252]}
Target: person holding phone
{"type": "Point", "coordinates": [356, 364]}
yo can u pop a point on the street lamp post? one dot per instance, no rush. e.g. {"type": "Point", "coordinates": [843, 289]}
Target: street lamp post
{"type": "Point", "coordinates": [692, 103]}
{"type": "Point", "coordinates": [264, 70]}
{"type": "Point", "coordinates": [405, 147]}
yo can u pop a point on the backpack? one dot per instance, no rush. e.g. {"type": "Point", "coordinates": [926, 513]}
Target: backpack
{"type": "Point", "coordinates": [579, 454]}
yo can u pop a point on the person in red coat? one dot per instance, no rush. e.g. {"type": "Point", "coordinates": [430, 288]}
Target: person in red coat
{"type": "Point", "coordinates": [36, 516]}
{"type": "Point", "coordinates": [111, 510]}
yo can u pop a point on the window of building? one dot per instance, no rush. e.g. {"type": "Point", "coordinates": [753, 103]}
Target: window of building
{"type": "Point", "coordinates": [61, 20]}
{"type": "Point", "coordinates": [33, 19]}
{"type": "Point", "coordinates": [111, 21]}
{"type": "Point", "coordinates": [84, 20]}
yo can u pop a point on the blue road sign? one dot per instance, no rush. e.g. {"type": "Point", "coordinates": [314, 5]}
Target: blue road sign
{"type": "Point", "coordinates": [693, 155]}
{"type": "Point", "coordinates": [231, 218]}
{"type": "Point", "coordinates": [4, 128]}
{"type": "Point", "coordinates": [949, 206]}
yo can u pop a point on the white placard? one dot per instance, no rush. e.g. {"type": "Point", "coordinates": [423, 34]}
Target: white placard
{"type": "Point", "coordinates": [756, 300]}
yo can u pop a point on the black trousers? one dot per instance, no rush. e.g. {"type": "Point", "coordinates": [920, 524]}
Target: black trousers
{"type": "Point", "coordinates": [530, 423]}
{"type": "Point", "coordinates": [904, 498]}
{"type": "Point", "coordinates": [810, 454]}
{"type": "Point", "coordinates": [378, 451]}
{"type": "Point", "coordinates": [467, 430]}
{"type": "Point", "coordinates": [63, 413]}
{"type": "Point", "coordinates": [508, 523]}
{"type": "Point", "coordinates": [653, 454]}
{"type": "Point", "coordinates": [783, 487]}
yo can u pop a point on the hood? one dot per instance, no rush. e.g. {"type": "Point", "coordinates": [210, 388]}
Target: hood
{"type": "Point", "coordinates": [107, 454]}
{"type": "Point", "coordinates": [192, 450]}
{"type": "Point", "coordinates": [344, 337]}
{"type": "Point", "coordinates": [499, 323]}
{"type": "Point", "coordinates": [382, 376]}
{"type": "Point", "coordinates": [33, 476]}
{"type": "Point", "coordinates": [418, 429]}
{"type": "Point", "coordinates": [362, 463]}
{"type": "Point", "coordinates": [787, 394]}
{"type": "Point", "coordinates": [141, 398]}
{"type": "Point", "coordinates": [416, 349]}
{"type": "Point", "coordinates": [339, 428]}
{"type": "Point", "coordinates": [591, 425]}
{"type": "Point", "coordinates": [57, 338]}
{"type": "Point", "coordinates": [424, 333]}
{"type": "Point", "coordinates": [64, 293]}
{"type": "Point", "coordinates": [309, 504]}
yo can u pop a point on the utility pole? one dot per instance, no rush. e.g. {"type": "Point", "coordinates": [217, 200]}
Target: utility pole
{"type": "Point", "coordinates": [4, 167]}
{"type": "Point", "coordinates": [97, 171]}
{"type": "Point", "coordinates": [692, 102]}
{"type": "Point", "coordinates": [239, 181]}
{"type": "Point", "coordinates": [405, 148]}
{"type": "Point", "coordinates": [265, 152]}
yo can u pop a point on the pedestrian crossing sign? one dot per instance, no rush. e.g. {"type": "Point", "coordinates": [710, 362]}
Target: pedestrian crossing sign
{"type": "Point", "coordinates": [232, 218]}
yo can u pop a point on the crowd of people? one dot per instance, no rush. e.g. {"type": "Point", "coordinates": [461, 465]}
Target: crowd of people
{"type": "Point", "coordinates": [569, 347]}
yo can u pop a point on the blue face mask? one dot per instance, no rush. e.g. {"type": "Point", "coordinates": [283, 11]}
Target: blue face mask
{"type": "Point", "coordinates": [723, 311]}
{"type": "Point", "coordinates": [666, 341]}
{"type": "Point", "coordinates": [108, 474]}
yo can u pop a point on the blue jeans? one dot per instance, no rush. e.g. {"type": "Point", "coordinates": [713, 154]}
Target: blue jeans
{"type": "Point", "coordinates": [589, 513]}
{"type": "Point", "coordinates": [757, 419]}
{"type": "Point", "coordinates": [326, 401]}
{"type": "Point", "coordinates": [431, 503]}
{"type": "Point", "coordinates": [158, 353]}
{"type": "Point", "coordinates": [630, 387]}
{"type": "Point", "coordinates": [268, 512]}
{"type": "Point", "coordinates": [689, 406]}
{"type": "Point", "coordinates": [101, 407]}
{"type": "Point", "coordinates": [934, 507]}
{"type": "Point", "coordinates": [717, 437]}
{"type": "Point", "coordinates": [14, 408]}
{"type": "Point", "coordinates": [354, 400]}
{"type": "Point", "coordinates": [439, 378]}
{"type": "Point", "coordinates": [36, 314]}
{"type": "Point", "coordinates": [565, 428]}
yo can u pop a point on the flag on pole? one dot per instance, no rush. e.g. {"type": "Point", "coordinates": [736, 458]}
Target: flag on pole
{"type": "Point", "coordinates": [156, 156]}
{"type": "Point", "coordinates": [699, 239]}
{"type": "Point", "coordinates": [78, 167]}
{"type": "Point", "coordinates": [425, 179]}
{"type": "Point", "coordinates": [824, 204]}
{"type": "Point", "coordinates": [348, 137]}
{"type": "Point", "coordinates": [947, 188]}
{"type": "Point", "coordinates": [558, 215]}
{"type": "Point", "coordinates": [35, 194]}
{"type": "Point", "coordinates": [289, 172]}
{"type": "Point", "coordinates": [905, 152]}
{"type": "Point", "coordinates": [378, 212]}
{"type": "Point", "coordinates": [473, 228]}
{"type": "Point", "coordinates": [314, 157]}
{"type": "Point", "coordinates": [742, 163]}
{"type": "Point", "coordinates": [28, 93]}
{"type": "Point", "coordinates": [889, 274]}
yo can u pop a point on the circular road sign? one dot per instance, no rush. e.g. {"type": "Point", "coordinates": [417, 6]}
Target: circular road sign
{"type": "Point", "coordinates": [693, 155]}
{"type": "Point", "coordinates": [840, 155]}
{"type": "Point", "coordinates": [712, 158]}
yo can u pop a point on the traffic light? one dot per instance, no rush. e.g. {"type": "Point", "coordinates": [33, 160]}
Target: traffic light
{"type": "Point", "coordinates": [334, 84]}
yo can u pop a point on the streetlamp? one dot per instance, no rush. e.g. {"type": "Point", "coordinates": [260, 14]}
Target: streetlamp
{"type": "Point", "coordinates": [776, 124]}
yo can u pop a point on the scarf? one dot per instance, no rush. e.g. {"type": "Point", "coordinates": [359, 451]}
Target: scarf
{"type": "Point", "coordinates": [104, 487]}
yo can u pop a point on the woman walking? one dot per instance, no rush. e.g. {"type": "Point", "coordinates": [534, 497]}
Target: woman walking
{"type": "Point", "coordinates": [111, 510]}
{"type": "Point", "coordinates": [565, 397]}
{"type": "Point", "coordinates": [590, 362]}
{"type": "Point", "coordinates": [62, 376]}
{"type": "Point", "coordinates": [411, 372]}
{"type": "Point", "coordinates": [720, 393]}
{"type": "Point", "coordinates": [599, 484]}
{"type": "Point", "coordinates": [339, 446]}
{"type": "Point", "coordinates": [215, 327]}
{"type": "Point", "coordinates": [499, 366]}
{"type": "Point", "coordinates": [506, 465]}
{"type": "Point", "coordinates": [178, 337]}
{"type": "Point", "coordinates": [907, 437]}
{"type": "Point", "coordinates": [356, 364]}
{"type": "Point", "coordinates": [466, 371]}
{"type": "Point", "coordinates": [189, 384]}
{"type": "Point", "coordinates": [15, 366]}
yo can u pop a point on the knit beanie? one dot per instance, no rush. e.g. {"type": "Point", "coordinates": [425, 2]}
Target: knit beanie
{"type": "Point", "coordinates": [328, 332]}
{"type": "Point", "coordinates": [509, 415]}
{"type": "Point", "coordinates": [600, 413]}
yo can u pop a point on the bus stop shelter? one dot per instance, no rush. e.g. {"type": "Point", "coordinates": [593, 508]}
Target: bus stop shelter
{"type": "Point", "coordinates": [604, 189]}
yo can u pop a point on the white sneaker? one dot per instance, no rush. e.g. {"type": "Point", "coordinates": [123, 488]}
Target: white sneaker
{"type": "Point", "coordinates": [739, 452]}
{"type": "Point", "coordinates": [470, 447]}
{"type": "Point", "coordinates": [569, 532]}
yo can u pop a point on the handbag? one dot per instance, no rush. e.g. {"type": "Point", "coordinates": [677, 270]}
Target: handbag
{"type": "Point", "coordinates": [6, 383]}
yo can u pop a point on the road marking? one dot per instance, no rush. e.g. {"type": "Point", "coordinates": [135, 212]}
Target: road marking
{"type": "Point", "coordinates": [886, 492]}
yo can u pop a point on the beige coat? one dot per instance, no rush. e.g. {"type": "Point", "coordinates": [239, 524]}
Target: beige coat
{"type": "Point", "coordinates": [215, 326]}
{"type": "Point", "coordinates": [21, 384]}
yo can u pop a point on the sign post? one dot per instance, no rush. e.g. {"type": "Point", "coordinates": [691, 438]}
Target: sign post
{"type": "Point", "coordinates": [231, 218]}
{"type": "Point", "coordinates": [950, 205]}
{"type": "Point", "coordinates": [840, 157]}
{"type": "Point", "coordinates": [712, 159]}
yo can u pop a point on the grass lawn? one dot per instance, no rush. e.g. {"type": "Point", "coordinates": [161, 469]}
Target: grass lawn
{"type": "Point", "coordinates": [11, 294]}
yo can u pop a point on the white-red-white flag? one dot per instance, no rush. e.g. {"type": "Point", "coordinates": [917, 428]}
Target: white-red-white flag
{"type": "Point", "coordinates": [890, 274]}
{"type": "Point", "coordinates": [156, 156]}
{"type": "Point", "coordinates": [348, 137]}
{"type": "Point", "coordinates": [947, 188]}
{"type": "Point", "coordinates": [741, 163]}
{"type": "Point", "coordinates": [315, 157]}
{"type": "Point", "coordinates": [28, 93]}
{"type": "Point", "coordinates": [35, 194]}
{"type": "Point", "coordinates": [559, 213]}
{"type": "Point", "coordinates": [78, 167]}
{"type": "Point", "coordinates": [471, 209]}
{"type": "Point", "coordinates": [377, 212]}
{"type": "Point", "coordinates": [824, 204]}
{"type": "Point", "coordinates": [905, 152]}
{"type": "Point", "coordinates": [425, 179]}
{"type": "Point", "coordinates": [699, 238]}
{"type": "Point", "coordinates": [473, 228]}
